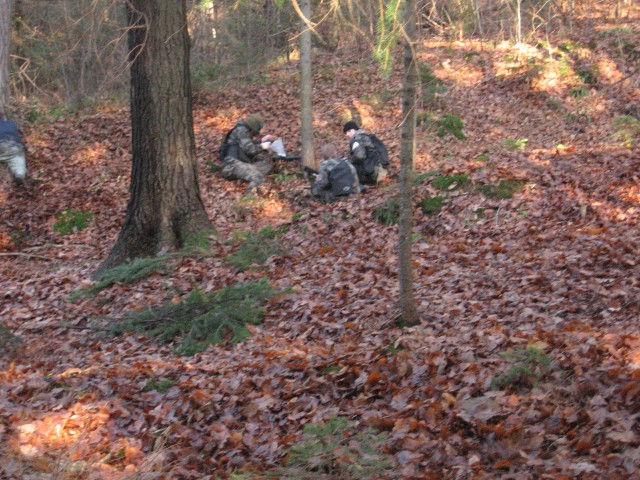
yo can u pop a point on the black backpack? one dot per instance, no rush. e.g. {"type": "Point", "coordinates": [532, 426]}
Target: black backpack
{"type": "Point", "coordinates": [381, 149]}
{"type": "Point", "coordinates": [228, 149]}
{"type": "Point", "coordinates": [341, 179]}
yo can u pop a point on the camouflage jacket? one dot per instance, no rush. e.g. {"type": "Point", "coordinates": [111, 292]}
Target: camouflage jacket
{"type": "Point", "coordinates": [241, 144]}
{"type": "Point", "coordinates": [358, 146]}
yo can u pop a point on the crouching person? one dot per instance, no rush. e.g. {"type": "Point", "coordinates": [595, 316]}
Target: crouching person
{"type": "Point", "coordinates": [12, 151]}
{"type": "Point", "coordinates": [335, 178]}
{"type": "Point", "coordinates": [242, 155]}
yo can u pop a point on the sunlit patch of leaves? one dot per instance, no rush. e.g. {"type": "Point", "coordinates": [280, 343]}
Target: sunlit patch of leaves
{"type": "Point", "coordinates": [125, 273]}
{"type": "Point", "coordinates": [388, 213]}
{"type": "Point", "coordinates": [432, 205]}
{"type": "Point", "coordinates": [503, 190]}
{"type": "Point", "coordinates": [71, 221]}
{"type": "Point", "coordinates": [256, 248]}
{"type": "Point", "coordinates": [203, 319]}
{"type": "Point", "coordinates": [336, 450]}
{"type": "Point", "coordinates": [451, 182]}
{"type": "Point", "coordinates": [528, 365]}
{"type": "Point", "coordinates": [513, 145]}
{"type": "Point", "coordinates": [626, 130]}
{"type": "Point", "coordinates": [451, 124]}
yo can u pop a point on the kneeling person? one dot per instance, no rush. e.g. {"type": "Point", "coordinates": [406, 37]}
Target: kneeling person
{"type": "Point", "coordinates": [12, 151]}
{"type": "Point", "coordinates": [241, 155]}
{"type": "Point", "coordinates": [335, 177]}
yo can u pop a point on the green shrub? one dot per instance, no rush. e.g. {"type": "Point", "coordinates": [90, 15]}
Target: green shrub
{"type": "Point", "coordinates": [420, 177]}
{"type": "Point", "coordinates": [72, 221]}
{"type": "Point", "coordinates": [203, 319]}
{"type": "Point", "coordinates": [431, 85]}
{"type": "Point", "coordinates": [451, 124]}
{"type": "Point", "coordinates": [450, 182]}
{"type": "Point", "coordinates": [256, 248]}
{"type": "Point", "coordinates": [579, 92]}
{"type": "Point", "coordinates": [588, 75]}
{"type": "Point", "coordinates": [125, 274]}
{"type": "Point", "coordinates": [528, 366]}
{"type": "Point", "coordinates": [8, 340]}
{"type": "Point", "coordinates": [504, 189]}
{"type": "Point", "coordinates": [336, 450]}
{"type": "Point", "coordinates": [388, 213]}
{"type": "Point", "coordinates": [626, 130]}
{"type": "Point", "coordinates": [161, 386]}
{"type": "Point", "coordinates": [515, 145]}
{"type": "Point", "coordinates": [214, 167]}
{"type": "Point", "coordinates": [431, 205]}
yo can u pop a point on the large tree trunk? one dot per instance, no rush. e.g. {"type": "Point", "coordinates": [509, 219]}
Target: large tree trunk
{"type": "Point", "coordinates": [165, 207]}
{"type": "Point", "coordinates": [5, 41]}
{"type": "Point", "coordinates": [407, 154]}
{"type": "Point", "coordinates": [306, 90]}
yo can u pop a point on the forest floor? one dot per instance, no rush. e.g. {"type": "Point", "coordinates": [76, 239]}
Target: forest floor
{"type": "Point", "coordinates": [526, 363]}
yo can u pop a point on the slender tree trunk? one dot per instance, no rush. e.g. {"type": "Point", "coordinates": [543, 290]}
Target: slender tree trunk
{"type": "Point", "coordinates": [165, 208]}
{"type": "Point", "coordinates": [5, 41]}
{"type": "Point", "coordinates": [306, 87]}
{"type": "Point", "coordinates": [407, 154]}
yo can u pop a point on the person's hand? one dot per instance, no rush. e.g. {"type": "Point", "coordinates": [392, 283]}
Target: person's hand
{"type": "Point", "coordinates": [265, 145]}
{"type": "Point", "coordinates": [269, 138]}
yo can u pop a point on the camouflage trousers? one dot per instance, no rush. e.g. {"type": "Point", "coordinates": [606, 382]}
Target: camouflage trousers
{"type": "Point", "coordinates": [12, 154]}
{"type": "Point", "coordinates": [254, 173]}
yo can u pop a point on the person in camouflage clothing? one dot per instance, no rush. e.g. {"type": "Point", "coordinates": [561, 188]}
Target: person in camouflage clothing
{"type": "Point", "coordinates": [12, 150]}
{"type": "Point", "coordinates": [335, 177]}
{"type": "Point", "coordinates": [363, 154]}
{"type": "Point", "coordinates": [241, 154]}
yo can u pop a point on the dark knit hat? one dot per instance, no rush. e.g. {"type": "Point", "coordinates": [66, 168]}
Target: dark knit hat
{"type": "Point", "coordinates": [255, 122]}
{"type": "Point", "coordinates": [350, 125]}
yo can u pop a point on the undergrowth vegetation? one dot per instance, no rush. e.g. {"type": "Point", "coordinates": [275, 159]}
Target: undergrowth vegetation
{"type": "Point", "coordinates": [337, 449]}
{"type": "Point", "coordinates": [201, 319]}
{"type": "Point", "coordinates": [256, 248]}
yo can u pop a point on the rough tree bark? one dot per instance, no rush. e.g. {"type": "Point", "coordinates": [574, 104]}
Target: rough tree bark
{"type": "Point", "coordinates": [306, 90]}
{"type": "Point", "coordinates": [5, 41]}
{"type": "Point", "coordinates": [407, 154]}
{"type": "Point", "coordinates": [165, 208]}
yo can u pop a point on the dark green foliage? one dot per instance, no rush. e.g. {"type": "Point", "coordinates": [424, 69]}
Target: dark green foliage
{"type": "Point", "coordinates": [588, 75]}
{"type": "Point", "coordinates": [451, 124]}
{"type": "Point", "coordinates": [450, 182]}
{"type": "Point", "coordinates": [214, 167]}
{"type": "Point", "coordinates": [626, 129]}
{"type": "Point", "coordinates": [256, 248]}
{"type": "Point", "coordinates": [420, 177]}
{"type": "Point", "coordinates": [504, 189]}
{"type": "Point", "coordinates": [161, 386]}
{"type": "Point", "coordinates": [528, 366]}
{"type": "Point", "coordinates": [8, 341]}
{"type": "Point", "coordinates": [431, 205]}
{"type": "Point", "coordinates": [124, 274]}
{"type": "Point", "coordinates": [336, 450]}
{"type": "Point", "coordinates": [203, 319]}
{"type": "Point", "coordinates": [71, 221]}
{"type": "Point", "coordinates": [579, 92]}
{"type": "Point", "coordinates": [198, 241]}
{"type": "Point", "coordinates": [518, 144]}
{"type": "Point", "coordinates": [431, 85]}
{"type": "Point", "coordinates": [388, 213]}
